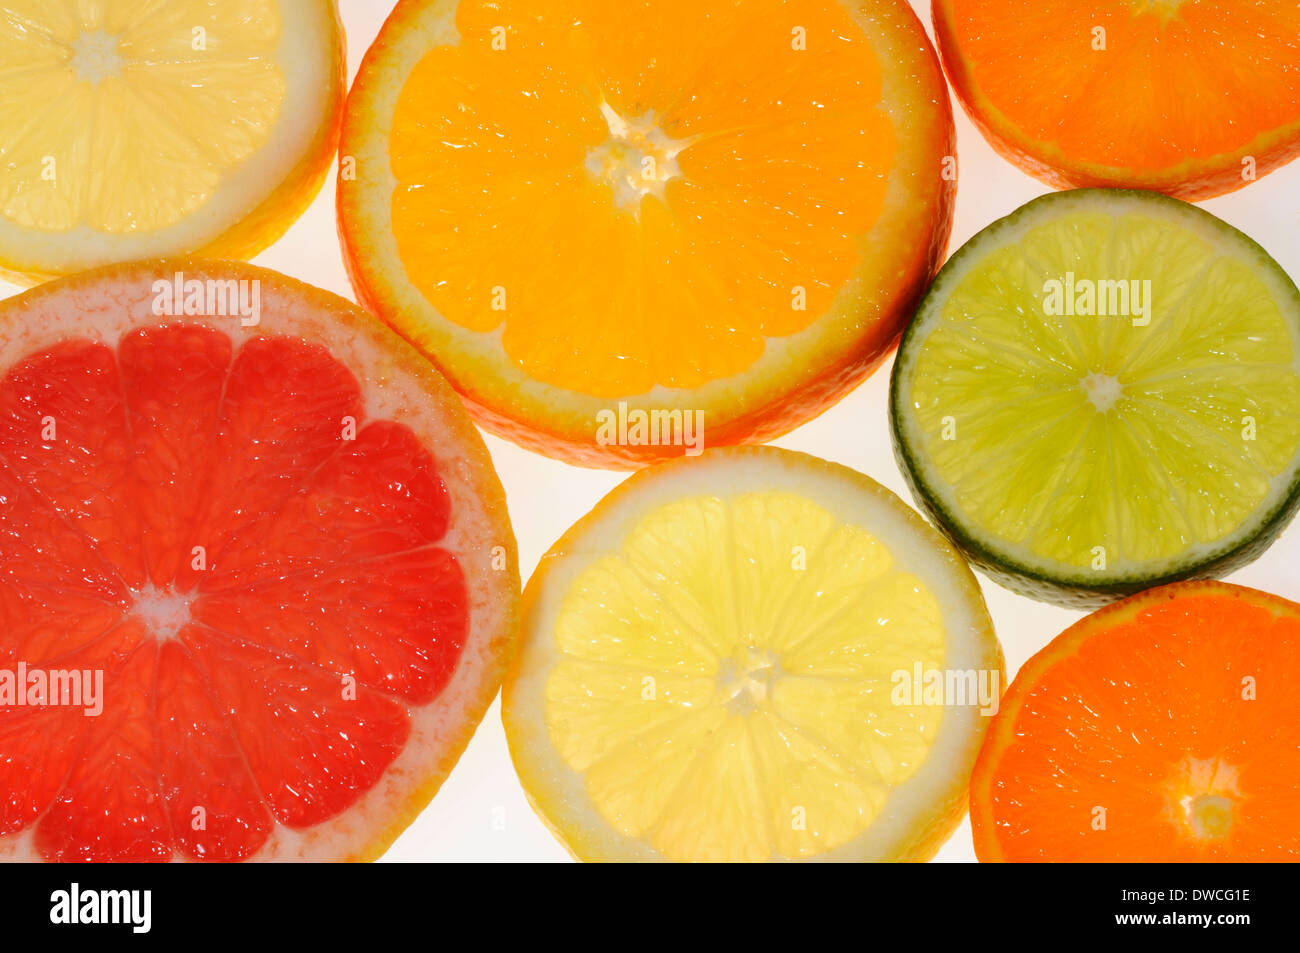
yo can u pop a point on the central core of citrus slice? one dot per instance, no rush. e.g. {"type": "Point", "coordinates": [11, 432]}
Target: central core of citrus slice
{"type": "Point", "coordinates": [1210, 816]}
{"type": "Point", "coordinates": [1207, 794]}
{"type": "Point", "coordinates": [746, 680]}
{"type": "Point", "coordinates": [1102, 390]}
{"type": "Point", "coordinates": [738, 656]}
{"type": "Point", "coordinates": [163, 611]}
{"type": "Point", "coordinates": [96, 56]}
{"type": "Point", "coordinates": [1166, 8]}
{"type": "Point", "coordinates": [636, 160]}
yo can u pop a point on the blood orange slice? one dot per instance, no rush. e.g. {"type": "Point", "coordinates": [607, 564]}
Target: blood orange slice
{"type": "Point", "coordinates": [257, 556]}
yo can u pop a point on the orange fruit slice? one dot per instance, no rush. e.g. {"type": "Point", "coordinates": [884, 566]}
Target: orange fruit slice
{"type": "Point", "coordinates": [1161, 728]}
{"type": "Point", "coordinates": [614, 225]}
{"type": "Point", "coordinates": [1188, 97]}
{"type": "Point", "coordinates": [264, 573]}
{"type": "Point", "coordinates": [182, 127]}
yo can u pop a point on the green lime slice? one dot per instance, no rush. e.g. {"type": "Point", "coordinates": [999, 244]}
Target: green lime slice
{"type": "Point", "coordinates": [1101, 393]}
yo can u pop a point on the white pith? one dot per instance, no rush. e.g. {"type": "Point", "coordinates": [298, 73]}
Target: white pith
{"type": "Point", "coordinates": [637, 160]}
{"type": "Point", "coordinates": [163, 611]}
{"type": "Point", "coordinates": [1102, 390]}
{"type": "Point", "coordinates": [95, 56]}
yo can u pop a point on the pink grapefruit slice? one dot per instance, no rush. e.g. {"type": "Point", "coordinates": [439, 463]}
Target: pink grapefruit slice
{"type": "Point", "coordinates": [280, 547]}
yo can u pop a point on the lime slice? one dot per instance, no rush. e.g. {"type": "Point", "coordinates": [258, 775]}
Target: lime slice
{"type": "Point", "coordinates": [1101, 393]}
{"type": "Point", "coordinates": [751, 655]}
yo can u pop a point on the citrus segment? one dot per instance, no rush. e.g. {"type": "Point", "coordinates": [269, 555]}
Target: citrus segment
{"type": "Point", "coordinates": [259, 458]}
{"type": "Point", "coordinates": [272, 560]}
{"type": "Point", "coordinates": [1101, 391]}
{"type": "Point", "coordinates": [1192, 98]}
{"type": "Point", "coordinates": [75, 386]}
{"type": "Point", "coordinates": [310, 748]}
{"type": "Point", "coordinates": [182, 126]}
{"type": "Point", "coordinates": [1157, 729]}
{"type": "Point", "coordinates": [176, 376]}
{"type": "Point", "coordinates": [711, 668]}
{"type": "Point", "coordinates": [682, 206]}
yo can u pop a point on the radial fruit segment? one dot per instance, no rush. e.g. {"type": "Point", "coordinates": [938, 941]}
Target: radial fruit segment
{"type": "Point", "coordinates": [1160, 729]}
{"type": "Point", "coordinates": [690, 206]}
{"type": "Point", "coordinates": [714, 669]}
{"type": "Point", "coordinates": [1188, 97]}
{"type": "Point", "coordinates": [1102, 391]}
{"type": "Point", "coordinates": [262, 569]}
{"type": "Point", "coordinates": [182, 126]}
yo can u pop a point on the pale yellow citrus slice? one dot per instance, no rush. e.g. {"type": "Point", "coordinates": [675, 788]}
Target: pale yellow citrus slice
{"type": "Point", "coordinates": [580, 208]}
{"type": "Point", "coordinates": [752, 655]}
{"type": "Point", "coordinates": [138, 128]}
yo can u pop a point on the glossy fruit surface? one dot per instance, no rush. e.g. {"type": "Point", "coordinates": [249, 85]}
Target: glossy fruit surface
{"type": "Point", "coordinates": [579, 209]}
{"type": "Point", "coordinates": [1159, 729]}
{"type": "Point", "coordinates": [259, 561]}
{"type": "Point", "coordinates": [1193, 98]}
{"type": "Point", "coordinates": [1101, 393]}
{"type": "Point", "coordinates": [181, 127]}
{"type": "Point", "coordinates": [728, 660]}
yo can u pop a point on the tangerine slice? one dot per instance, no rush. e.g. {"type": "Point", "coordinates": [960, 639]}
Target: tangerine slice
{"type": "Point", "coordinates": [1193, 98]}
{"type": "Point", "coordinates": [1159, 729]}
{"type": "Point", "coordinates": [579, 209]}
{"type": "Point", "coordinates": [279, 550]}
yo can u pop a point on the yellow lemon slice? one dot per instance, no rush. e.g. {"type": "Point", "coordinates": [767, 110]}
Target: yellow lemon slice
{"type": "Point", "coordinates": [182, 126]}
{"type": "Point", "coordinates": [751, 655]}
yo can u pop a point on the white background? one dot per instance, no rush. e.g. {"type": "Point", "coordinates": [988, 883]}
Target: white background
{"type": "Point", "coordinates": [480, 813]}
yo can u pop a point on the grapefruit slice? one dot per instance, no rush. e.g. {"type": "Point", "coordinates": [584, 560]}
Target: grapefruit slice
{"type": "Point", "coordinates": [182, 127]}
{"type": "Point", "coordinates": [1159, 729]}
{"type": "Point", "coordinates": [612, 225]}
{"type": "Point", "coordinates": [1193, 98]}
{"type": "Point", "coordinates": [744, 656]}
{"type": "Point", "coordinates": [279, 549]}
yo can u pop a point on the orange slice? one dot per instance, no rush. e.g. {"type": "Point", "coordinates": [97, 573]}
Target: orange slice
{"type": "Point", "coordinates": [181, 127]}
{"type": "Point", "coordinates": [616, 225]}
{"type": "Point", "coordinates": [1161, 728]}
{"type": "Point", "coordinates": [1188, 97]}
{"type": "Point", "coordinates": [263, 572]}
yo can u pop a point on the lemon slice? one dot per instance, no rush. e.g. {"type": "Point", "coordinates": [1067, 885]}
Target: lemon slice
{"type": "Point", "coordinates": [139, 128]}
{"type": "Point", "coordinates": [726, 661]}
